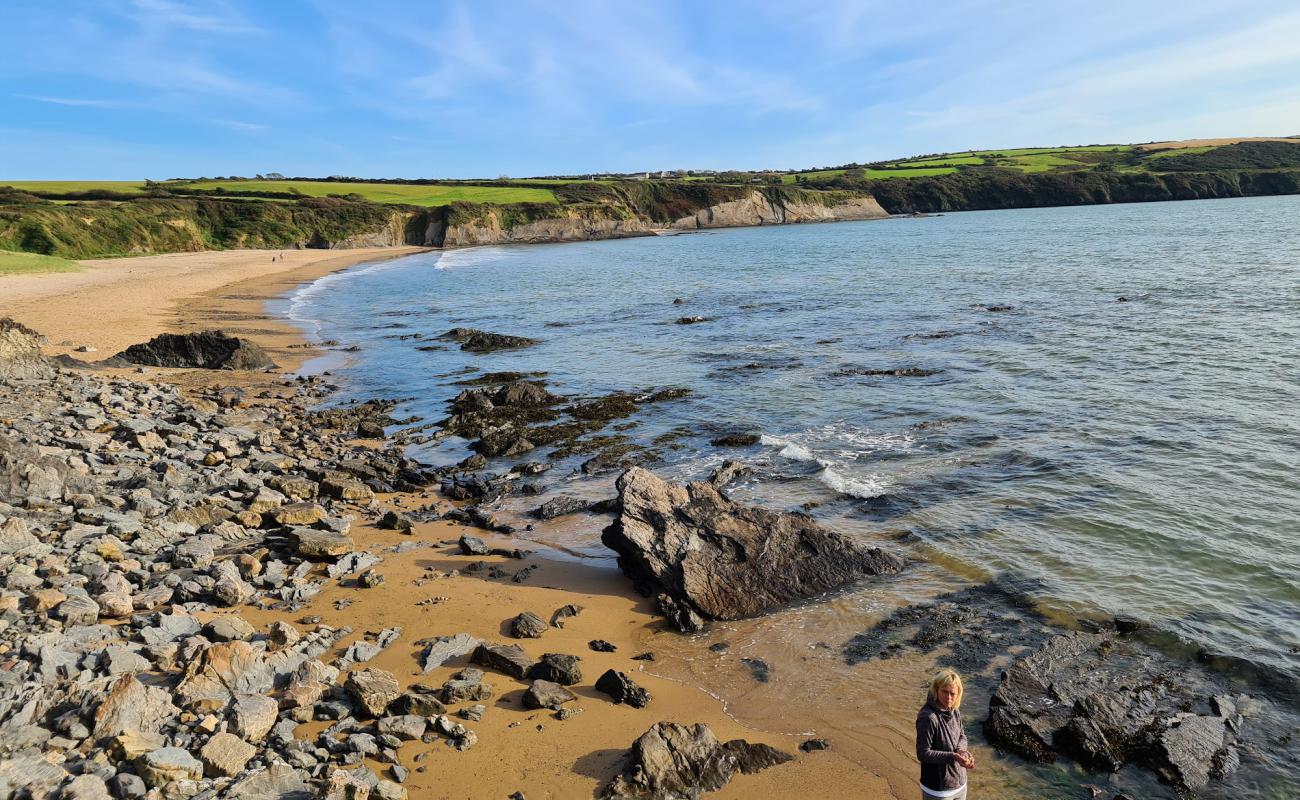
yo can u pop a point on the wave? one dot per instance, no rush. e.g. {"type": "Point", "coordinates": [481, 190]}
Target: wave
{"type": "Point", "coordinates": [299, 308]}
{"type": "Point", "coordinates": [473, 256]}
{"type": "Point", "coordinates": [864, 487]}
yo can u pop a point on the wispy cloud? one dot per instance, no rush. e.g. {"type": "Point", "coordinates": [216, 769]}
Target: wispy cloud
{"type": "Point", "coordinates": [80, 102]}
{"type": "Point", "coordinates": [236, 125]}
{"type": "Point", "coordinates": [214, 16]}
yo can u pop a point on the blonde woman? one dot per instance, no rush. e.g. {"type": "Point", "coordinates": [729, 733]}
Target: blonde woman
{"type": "Point", "coordinates": [941, 745]}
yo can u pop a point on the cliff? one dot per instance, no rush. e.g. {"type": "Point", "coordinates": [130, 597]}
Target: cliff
{"type": "Point", "coordinates": [167, 224]}
{"type": "Point", "coordinates": [625, 214]}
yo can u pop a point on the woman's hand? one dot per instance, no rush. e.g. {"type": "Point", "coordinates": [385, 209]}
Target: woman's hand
{"type": "Point", "coordinates": [966, 759]}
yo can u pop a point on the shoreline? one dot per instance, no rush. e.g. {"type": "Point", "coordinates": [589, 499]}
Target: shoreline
{"type": "Point", "coordinates": [517, 750]}
{"type": "Point", "coordinates": [428, 591]}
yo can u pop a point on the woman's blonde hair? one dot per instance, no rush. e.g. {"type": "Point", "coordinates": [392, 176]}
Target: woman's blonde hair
{"type": "Point", "coordinates": [946, 677]}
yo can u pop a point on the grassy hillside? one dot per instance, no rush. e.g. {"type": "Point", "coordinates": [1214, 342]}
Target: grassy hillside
{"type": "Point", "coordinates": [402, 194]}
{"type": "Point", "coordinates": [149, 225]}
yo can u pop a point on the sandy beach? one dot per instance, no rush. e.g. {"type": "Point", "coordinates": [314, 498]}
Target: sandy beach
{"type": "Point", "coordinates": [118, 302]}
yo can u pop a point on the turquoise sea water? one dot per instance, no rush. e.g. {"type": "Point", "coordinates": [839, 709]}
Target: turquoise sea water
{"type": "Point", "coordinates": [1137, 457]}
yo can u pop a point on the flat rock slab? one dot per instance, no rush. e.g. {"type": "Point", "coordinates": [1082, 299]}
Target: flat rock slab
{"type": "Point", "coordinates": [1107, 702]}
{"type": "Point", "coordinates": [709, 558]}
{"type": "Point", "coordinates": [681, 762]}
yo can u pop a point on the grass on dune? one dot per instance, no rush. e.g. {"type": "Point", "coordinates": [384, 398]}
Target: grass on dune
{"type": "Point", "coordinates": [12, 263]}
{"type": "Point", "coordinates": [409, 194]}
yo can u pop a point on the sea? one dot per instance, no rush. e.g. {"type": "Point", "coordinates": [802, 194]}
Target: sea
{"type": "Point", "coordinates": [1100, 403]}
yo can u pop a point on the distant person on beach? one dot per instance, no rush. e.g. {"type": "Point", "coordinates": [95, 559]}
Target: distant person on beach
{"type": "Point", "coordinates": [941, 744]}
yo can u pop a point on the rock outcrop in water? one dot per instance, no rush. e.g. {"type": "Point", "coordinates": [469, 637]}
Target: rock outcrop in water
{"type": "Point", "coordinates": [476, 341]}
{"type": "Point", "coordinates": [205, 350]}
{"type": "Point", "coordinates": [706, 557]}
{"type": "Point", "coordinates": [681, 762]}
{"type": "Point", "coordinates": [1106, 703]}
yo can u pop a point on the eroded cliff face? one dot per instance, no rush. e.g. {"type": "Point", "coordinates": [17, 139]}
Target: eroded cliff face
{"type": "Point", "coordinates": [493, 225]}
{"type": "Point", "coordinates": [758, 209]}
{"type": "Point", "coordinates": [392, 234]}
{"type": "Point", "coordinates": [576, 228]}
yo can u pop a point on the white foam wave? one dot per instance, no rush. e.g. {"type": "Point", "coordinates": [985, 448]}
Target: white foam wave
{"type": "Point", "coordinates": [472, 256]}
{"type": "Point", "coordinates": [299, 307]}
{"type": "Point", "coordinates": [865, 486]}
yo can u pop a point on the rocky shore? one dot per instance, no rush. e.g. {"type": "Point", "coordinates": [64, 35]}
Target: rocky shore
{"type": "Point", "coordinates": [232, 591]}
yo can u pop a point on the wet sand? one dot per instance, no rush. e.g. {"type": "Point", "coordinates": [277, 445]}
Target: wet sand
{"type": "Point", "coordinates": [118, 303]}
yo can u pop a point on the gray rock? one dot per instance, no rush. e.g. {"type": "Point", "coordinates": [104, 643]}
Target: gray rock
{"type": "Point", "coordinates": [205, 350]}
{"type": "Point", "coordinates": [195, 554]}
{"type": "Point", "coordinates": [78, 610]}
{"type": "Point", "coordinates": [313, 543]}
{"type": "Point", "coordinates": [445, 648]}
{"type": "Point", "coordinates": [507, 658]}
{"type": "Point", "coordinates": [682, 762]}
{"type": "Point", "coordinates": [229, 628]}
{"type": "Point", "coordinates": [167, 764]}
{"type": "Point", "coordinates": [622, 689]}
{"type": "Point", "coordinates": [253, 716]}
{"type": "Point", "coordinates": [473, 546]}
{"type": "Point", "coordinates": [405, 726]}
{"type": "Point", "coordinates": [711, 558]}
{"type": "Point", "coordinates": [546, 694]}
{"type": "Point", "coordinates": [225, 755]}
{"type": "Point", "coordinates": [558, 667]}
{"type": "Point", "coordinates": [560, 506]}
{"type": "Point", "coordinates": [373, 689]}
{"type": "Point", "coordinates": [86, 787]}
{"type": "Point", "coordinates": [527, 625]}
{"type": "Point", "coordinates": [277, 782]}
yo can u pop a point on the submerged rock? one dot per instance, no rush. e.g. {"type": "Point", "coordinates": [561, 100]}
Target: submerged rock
{"type": "Point", "coordinates": [477, 341]}
{"type": "Point", "coordinates": [205, 350]}
{"type": "Point", "coordinates": [1106, 702]}
{"type": "Point", "coordinates": [707, 557]}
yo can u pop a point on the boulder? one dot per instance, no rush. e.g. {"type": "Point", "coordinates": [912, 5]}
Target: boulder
{"type": "Point", "coordinates": [277, 782]}
{"type": "Point", "coordinates": [546, 694]}
{"type": "Point", "coordinates": [681, 762]}
{"type": "Point", "coordinates": [444, 648]}
{"type": "Point", "coordinates": [507, 658]}
{"type": "Point", "coordinates": [167, 764]}
{"type": "Point", "coordinates": [221, 673]}
{"type": "Point", "coordinates": [373, 689]}
{"type": "Point", "coordinates": [557, 667]}
{"type": "Point", "coordinates": [622, 689]}
{"type": "Point", "coordinates": [707, 557]}
{"type": "Point", "coordinates": [527, 625]}
{"type": "Point", "coordinates": [253, 716]}
{"type": "Point", "coordinates": [473, 546]}
{"type": "Point", "coordinates": [225, 755]}
{"type": "Point", "coordinates": [132, 706]}
{"type": "Point", "coordinates": [312, 543]}
{"type": "Point", "coordinates": [205, 350]}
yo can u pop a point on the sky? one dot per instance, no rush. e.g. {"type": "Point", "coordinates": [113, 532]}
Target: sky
{"type": "Point", "coordinates": [133, 89]}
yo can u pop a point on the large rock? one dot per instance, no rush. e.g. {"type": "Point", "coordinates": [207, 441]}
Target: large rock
{"type": "Point", "coordinates": [709, 558]}
{"type": "Point", "coordinates": [20, 352]}
{"type": "Point", "coordinates": [681, 762]}
{"type": "Point", "coordinates": [132, 706]}
{"type": "Point", "coordinates": [374, 690]}
{"type": "Point", "coordinates": [312, 543]}
{"type": "Point", "coordinates": [1108, 702]}
{"type": "Point", "coordinates": [225, 755]}
{"type": "Point", "coordinates": [205, 350]}
{"type": "Point", "coordinates": [221, 673]}
{"type": "Point", "coordinates": [508, 658]}
{"type": "Point", "coordinates": [622, 689]}
{"type": "Point", "coordinates": [278, 782]}
{"type": "Point", "coordinates": [547, 694]}
{"type": "Point", "coordinates": [167, 764]}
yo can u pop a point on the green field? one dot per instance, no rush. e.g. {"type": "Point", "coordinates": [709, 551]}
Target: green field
{"type": "Point", "coordinates": [20, 263]}
{"type": "Point", "coordinates": [408, 194]}
{"type": "Point", "coordinates": [58, 187]}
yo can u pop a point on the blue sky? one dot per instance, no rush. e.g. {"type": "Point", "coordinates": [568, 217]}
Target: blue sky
{"type": "Point", "coordinates": [128, 89]}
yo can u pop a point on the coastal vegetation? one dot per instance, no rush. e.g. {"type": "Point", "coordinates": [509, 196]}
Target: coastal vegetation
{"type": "Point", "coordinates": [87, 219]}
{"type": "Point", "coordinates": [12, 263]}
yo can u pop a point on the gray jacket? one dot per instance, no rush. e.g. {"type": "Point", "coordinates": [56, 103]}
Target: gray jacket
{"type": "Point", "coordinates": [939, 735]}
